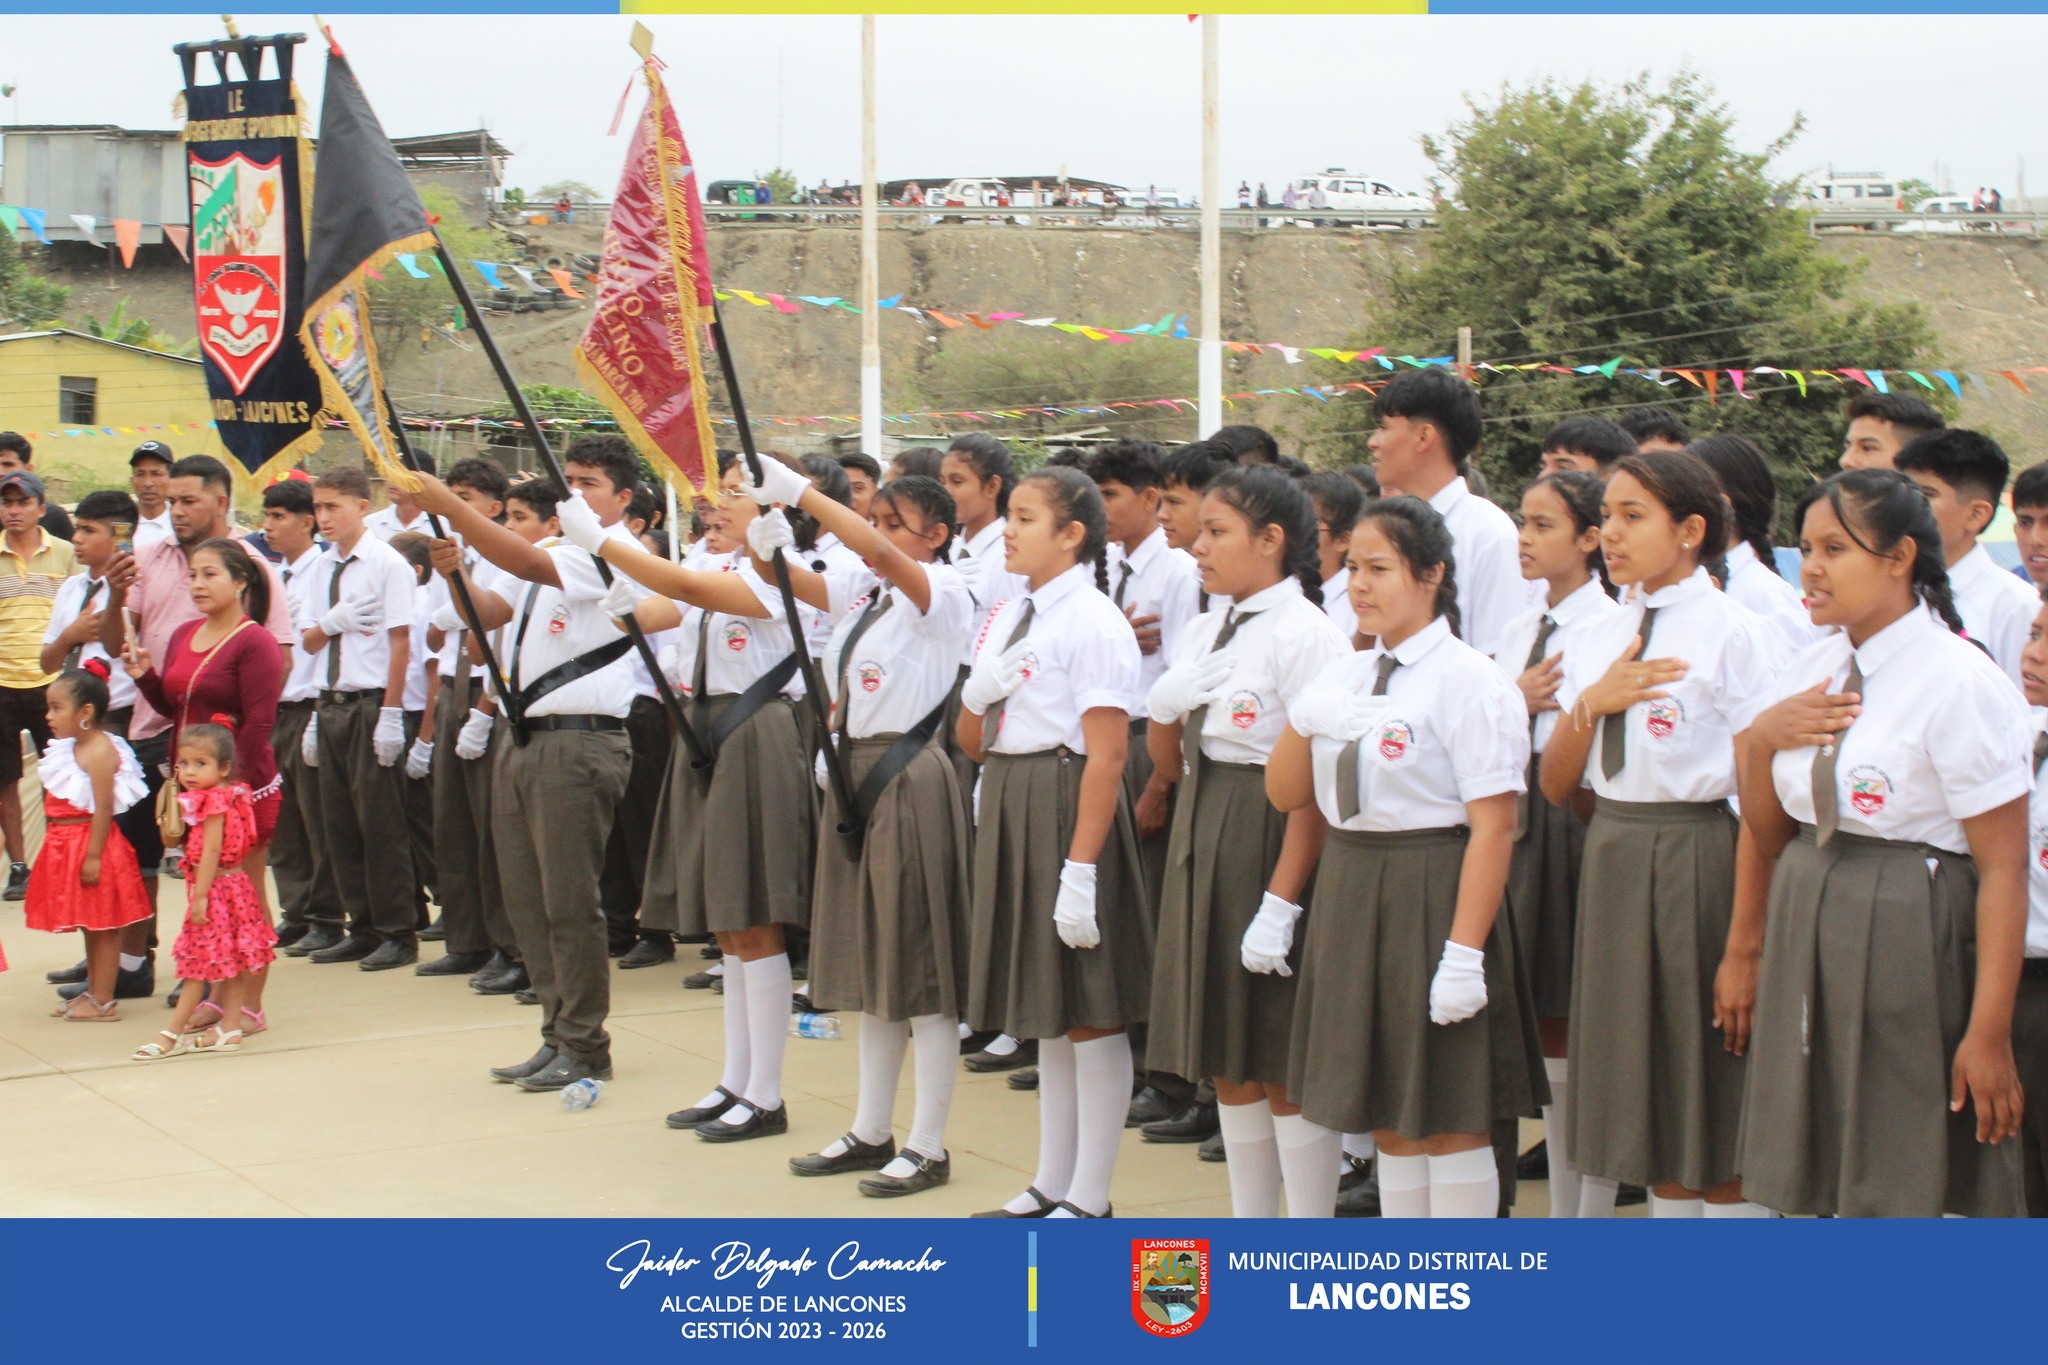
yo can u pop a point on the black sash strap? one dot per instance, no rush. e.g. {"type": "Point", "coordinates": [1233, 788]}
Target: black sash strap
{"type": "Point", "coordinates": [894, 760]}
{"type": "Point", "coordinates": [763, 691]}
{"type": "Point", "coordinates": [582, 666]}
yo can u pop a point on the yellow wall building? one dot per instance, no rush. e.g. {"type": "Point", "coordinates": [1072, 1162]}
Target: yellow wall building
{"type": "Point", "coordinates": [86, 403]}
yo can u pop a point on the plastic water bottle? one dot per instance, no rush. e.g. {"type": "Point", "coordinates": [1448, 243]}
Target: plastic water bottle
{"type": "Point", "coordinates": [814, 1025]}
{"type": "Point", "coordinates": [579, 1095]}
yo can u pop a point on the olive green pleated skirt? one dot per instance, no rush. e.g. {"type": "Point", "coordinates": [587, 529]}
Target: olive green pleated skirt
{"type": "Point", "coordinates": [1543, 895]}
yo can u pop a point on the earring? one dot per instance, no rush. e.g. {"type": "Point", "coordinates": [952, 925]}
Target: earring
{"type": "Point", "coordinates": [85, 725]}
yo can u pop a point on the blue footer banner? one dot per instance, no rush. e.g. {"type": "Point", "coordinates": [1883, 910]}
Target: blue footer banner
{"type": "Point", "coordinates": [986, 1292]}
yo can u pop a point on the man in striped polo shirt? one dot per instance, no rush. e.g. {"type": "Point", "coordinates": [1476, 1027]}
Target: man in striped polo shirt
{"type": "Point", "coordinates": [33, 563]}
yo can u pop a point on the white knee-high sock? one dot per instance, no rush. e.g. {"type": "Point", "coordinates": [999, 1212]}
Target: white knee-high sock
{"type": "Point", "coordinates": [1740, 1209]}
{"type": "Point", "coordinates": [1254, 1159]}
{"type": "Point", "coordinates": [1661, 1207]}
{"type": "Point", "coordinates": [1404, 1186]}
{"type": "Point", "coordinates": [1463, 1185]}
{"type": "Point", "coordinates": [1102, 1086]}
{"type": "Point", "coordinates": [768, 986]}
{"type": "Point", "coordinates": [1308, 1165]}
{"type": "Point", "coordinates": [1564, 1177]}
{"type": "Point", "coordinates": [738, 1055]}
{"type": "Point", "coordinates": [938, 1066]}
{"type": "Point", "coordinates": [1056, 1136]}
{"type": "Point", "coordinates": [1596, 1196]}
{"type": "Point", "coordinates": [882, 1045]}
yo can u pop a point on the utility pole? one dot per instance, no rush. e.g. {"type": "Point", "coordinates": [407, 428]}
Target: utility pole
{"type": "Point", "coordinates": [870, 217]}
{"type": "Point", "coordinates": [1465, 354]}
{"type": "Point", "coordinates": [1209, 348]}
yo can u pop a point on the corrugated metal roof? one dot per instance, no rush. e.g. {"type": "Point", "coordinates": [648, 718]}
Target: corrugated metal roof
{"type": "Point", "coordinates": [97, 341]}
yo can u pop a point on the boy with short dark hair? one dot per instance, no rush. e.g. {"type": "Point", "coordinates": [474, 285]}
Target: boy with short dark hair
{"type": "Point", "coordinates": [863, 477]}
{"type": "Point", "coordinates": [1652, 429]}
{"type": "Point", "coordinates": [1883, 424]}
{"type": "Point", "coordinates": [1339, 499]}
{"type": "Point", "coordinates": [2030, 521]}
{"type": "Point", "coordinates": [1248, 444]}
{"type": "Point", "coordinates": [1588, 444]}
{"type": "Point", "coordinates": [1963, 474]}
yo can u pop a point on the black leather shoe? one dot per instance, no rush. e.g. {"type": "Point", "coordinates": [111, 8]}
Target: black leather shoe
{"type": "Point", "coordinates": [711, 952]}
{"type": "Point", "coordinates": [317, 939]}
{"type": "Point", "coordinates": [507, 981]}
{"type": "Point", "coordinates": [1630, 1194]}
{"type": "Point", "coordinates": [984, 1060]}
{"type": "Point", "coordinates": [649, 952]}
{"type": "Point", "coordinates": [1023, 1078]}
{"type": "Point", "coordinates": [701, 981]}
{"type": "Point", "coordinates": [17, 883]}
{"type": "Point", "coordinates": [931, 1170]}
{"type": "Point", "coordinates": [66, 976]}
{"type": "Point", "coordinates": [497, 962]}
{"type": "Point", "coordinates": [525, 1068]}
{"type": "Point", "coordinates": [1212, 1148]}
{"type": "Point", "coordinates": [526, 997]}
{"type": "Point", "coordinates": [1534, 1164]}
{"type": "Point", "coordinates": [390, 953]}
{"type": "Point", "coordinates": [1076, 1211]}
{"type": "Point", "coordinates": [1150, 1106]}
{"type": "Point", "coordinates": [354, 948]}
{"type": "Point", "coordinates": [289, 933]}
{"type": "Point", "coordinates": [1192, 1124]}
{"type": "Point", "coordinates": [773, 1123]}
{"type": "Point", "coordinates": [977, 1040]}
{"type": "Point", "coordinates": [562, 1072]}
{"type": "Point", "coordinates": [139, 984]}
{"type": "Point", "coordinates": [1361, 1200]}
{"type": "Point", "coordinates": [858, 1156]}
{"type": "Point", "coordinates": [435, 932]}
{"type": "Point", "coordinates": [453, 964]}
{"type": "Point", "coordinates": [1357, 1170]}
{"type": "Point", "coordinates": [1045, 1206]}
{"type": "Point", "coordinates": [690, 1118]}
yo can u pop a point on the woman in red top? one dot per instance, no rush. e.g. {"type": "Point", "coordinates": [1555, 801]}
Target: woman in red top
{"type": "Point", "coordinates": [226, 663]}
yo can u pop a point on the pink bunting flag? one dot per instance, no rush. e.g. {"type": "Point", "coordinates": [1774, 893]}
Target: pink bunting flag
{"type": "Point", "coordinates": [1735, 378]}
{"type": "Point", "coordinates": [177, 237]}
{"type": "Point", "coordinates": [783, 305]}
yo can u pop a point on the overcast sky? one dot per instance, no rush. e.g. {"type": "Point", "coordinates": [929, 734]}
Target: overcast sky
{"type": "Point", "coordinates": [1115, 98]}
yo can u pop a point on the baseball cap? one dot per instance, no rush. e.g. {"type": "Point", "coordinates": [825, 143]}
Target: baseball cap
{"type": "Point", "coordinates": [23, 479]}
{"type": "Point", "coordinates": [153, 450]}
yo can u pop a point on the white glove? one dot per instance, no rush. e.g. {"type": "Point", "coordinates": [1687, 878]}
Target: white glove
{"type": "Point", "coordinates": [447, 617]}
{"type": "Point", "coordinates": [1005, 676]}
{"type": "Point", "coordinates": [821, 773]}
{"type": "Point", "coordinates": [1185, 686]}
{"type": "Point", "coordinates": [348, 618]}
{"type": "Point", "coordinates": [579, 523]}
{"type": "Point", "coordinates": [779, 483]}
{"type": "Point", "coordinates": [1459, 990]}
{"type": "Point", "coordinates": [768, 533]}
{"type": "Point", "coordinates": [389, 738]}
{"type": "Point", "coordinates": [1073, 914]}
{"type": "Point", "coordinates": [475, 739]}
{"type": "Point", "coordinates": [419, 759]}
{"type": "Point", "coordinates": [1270, 934]}
{"type": "Point", "coordinates": [622, 598]}
{"type": "Point", "coordinates": [309, 744]}
{"type": "Point", "coordinates": [1343, 716]}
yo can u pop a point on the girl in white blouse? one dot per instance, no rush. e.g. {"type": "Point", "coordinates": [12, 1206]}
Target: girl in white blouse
{"type": "Point", "coordinates": [1407, 1021]}
{"type": "Point", "coordinates": [1061, 939]}
{"type": "Point", "coordinates": [1236, 868]}
{"type": "Point", "coordinates": [1653, 707]}
{"type": "Point", "coordinates": [1560, 549]}
{"type": "Point", "coordinates": [1744, 474]}
{"type": "Point", "coordinates": [1885, 807]}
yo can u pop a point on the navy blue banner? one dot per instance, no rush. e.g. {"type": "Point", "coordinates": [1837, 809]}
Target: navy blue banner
{"type": "Point", "coordinates": [933, 1290]}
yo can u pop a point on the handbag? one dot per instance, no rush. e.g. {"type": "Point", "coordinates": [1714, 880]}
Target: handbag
{"type": "Point", "coordinates": [170, 816]}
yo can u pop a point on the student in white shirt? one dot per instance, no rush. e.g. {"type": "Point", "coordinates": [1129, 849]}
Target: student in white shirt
{"type": "Point", "coordinates": [1653, 707]}
{"type": "Point", "coordinates": [1428, 428]}
{"type": "Point", "coordinates": [1745, 476]}
{"type": "Point", "coordinates": [560, 773]}
{"type": "Point", "coordinates": [1339, 499]}
{"type": "Point", "coordinates": [1407, 1019]}
{"type": "Point", "coordinates": [732, 852]}
{"type": "Point", "coordinates": [422, 687]}
{"type": "Point", "coordinates": [1560, 549]}
{"type": "Point", "coordinates": [360, 600]}
{"type": "Point", "coordinates": [402, 513]}
{"type": "Point", "coordinates": [1061, 943]}
{"type": "Point", "coordinates": [889, 901]}
{"type": "Point", "coordinates": [1884, 804]}
{"type": "Point", "coordinates": [1587, 445]}
{"type": "Point", "coordinates": [1963, 474]}
{"type": "Point", "coordinates": [2030, 1007]}
{"type": "Point", "coordinates": [1222, 982]}
{"type": "Point", "coordinates": [978, 471]}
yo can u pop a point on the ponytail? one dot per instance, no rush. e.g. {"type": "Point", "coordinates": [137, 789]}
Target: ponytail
{"type": "Point", "coordinates": [1745, 477]}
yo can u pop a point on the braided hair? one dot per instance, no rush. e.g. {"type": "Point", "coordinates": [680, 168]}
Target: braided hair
{"type": "Point", "coordinates": [1580, 493]}
{"type": "Point", "coordinates": [1745, 476]}
{"type": "Point", "coordinates": [1418, 534]}
{"type": "Point", "coordinates": [1879, 508]}
{"type": "Point", "coordinates": [1266, 497]}
{"type": "Point", "coordinates": [1074, 497]}
{"type": "Point", "coordinates": [86, 685]}
{"type": "Point", "coordinates": [932, 501]}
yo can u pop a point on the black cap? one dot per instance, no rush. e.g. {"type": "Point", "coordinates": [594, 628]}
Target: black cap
{"type": "Point", "coordinates": [152, 450]}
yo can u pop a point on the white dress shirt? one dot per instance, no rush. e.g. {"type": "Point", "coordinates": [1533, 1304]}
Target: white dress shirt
{"type": "Point", "coordinates": [149, 529]}
{"type": "Point", "coordinates": [1337, 603]}
{"type": "Point", "coordinates": [1083, 657]}
{"type": "Point", "coordinates": [371, 573]}
{"type": "Point", "coordinates": [415, 698]}
{"type": "Point", "coordinates": [300, 681]}
{"type": "Point", "coordinates": [1157, 580]}
{"type": "Point", "coordinates": [384, 524]}
{"type": "Point", "coordinates": [74, 595]}
{"type": "Point", "coordinates": [1584, 611]}
{"type": "Point", "coordinates": [550, 626]}
{"type": "Point", "coordinates": [1997, 608]}
{"type": "Point", "coordinates": [1450, 729]}
{"type": "Point", "coordinates": [981, 559]}
{"type": "Point", "coordinates": [848, 579]}
{"type": "Point", "coordinates": [1682, 746]}
{"type": "Point", "coordinates": [1283, 642]}
{"type": "Point", "coordinates": [742, 649]}
{"type": "Point", "coordinates": [1941, 736]}
{"type": "Point", "coordinates": [1757, 586]}
{"type": "Point", "coordinates": [905, 662]}
{"type": "Point", "coordinates": [2037, 856]}
{"type": "Point", "coordinates": [1485, 546]}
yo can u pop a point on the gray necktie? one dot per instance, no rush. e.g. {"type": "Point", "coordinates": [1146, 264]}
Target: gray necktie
{"type": "Point", "coordinates": [1543, 633]}
{"type": "Point", "coordinates": [1123, 582]}
{"type": "Point", "coordinates": [334, 641]}
{"type": "Point", "coordinates": [1191, 748]}
{"type": "Point", "coordinates": [1827, 800]}
{"type": "Point", "coordinates": [1614, 729]}
{"type": "Point", "coordinates": [1348, 756]}
{"type": "Point", "coordinates": [2040, 751]}
{"type": "Point", "coordinates": [992, 719]}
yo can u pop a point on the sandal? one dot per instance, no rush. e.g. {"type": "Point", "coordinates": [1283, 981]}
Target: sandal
{"type": "Point", "coordinates": [224, 1040]}
{"type": "Point", "coordinates": [198, 1022]}
{"type": "Point", "coordinates": [258, 1022]}
{"type": "Point", "coordinates": [95, 1011]}
{"type": "Point", "coordinates": [156, 1052]}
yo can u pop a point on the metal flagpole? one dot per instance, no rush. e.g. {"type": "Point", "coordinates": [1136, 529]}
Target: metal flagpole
{"type": "Point", "coordinates": [1209, 350]}
{"type": "Point", "coordinates": [870, 215]}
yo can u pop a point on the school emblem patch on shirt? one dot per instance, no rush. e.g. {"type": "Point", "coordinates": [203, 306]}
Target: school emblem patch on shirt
{"type": "Point", "coordinates": [871, 675]}
{"type": "Point", "coordinates": [736, 636]}
{"type": "Point", "coordinates": [1868, 788]}
{"type": "Point", "coordinates": [1666, 714]}
{"type": "Point", "coordinates": [559, 621]}
{"type": "Point", "coordinates": [1169, 1284]}
{"type": "Point", "coordinates": [2041, 845]}
{"type": "Point", "coordinates": [1396, 738]}
{"type": "Point", "coordinates": [1030, 667]}
{"type": "Point", "coordinates": [1244, 709]}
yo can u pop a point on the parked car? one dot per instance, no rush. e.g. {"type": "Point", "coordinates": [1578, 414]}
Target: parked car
{"type": "Point", "coordinates": [1857, 191]}
{"type": "Point", "coordinates": [1350, 190]}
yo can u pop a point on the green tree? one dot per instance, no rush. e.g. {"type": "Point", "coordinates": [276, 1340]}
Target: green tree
{"type": "Point", "coordinates": [137, 331]}
{"type": "Point", "coordinates": [26, 299]}
{"type": "Point", "coordinates": [401, 306]}
{"type": "Point", "coordinates": [1915, 192]}
{"type": "Point", "coordinates": [574, 189]}
{"type": "Point", "coordinates": [782, 183]}
{"type": "Point", "coordinates": [1588, 223]}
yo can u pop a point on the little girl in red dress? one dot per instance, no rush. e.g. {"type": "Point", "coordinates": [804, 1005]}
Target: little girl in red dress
{"type": "Point", "coordinates": [86, 875]}
{"type": "Point", "coordinates": [225, 938]}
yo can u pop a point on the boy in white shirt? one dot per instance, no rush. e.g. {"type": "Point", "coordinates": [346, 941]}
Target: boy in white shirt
{"type": "Point", "coordinates": [1963, 474]}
